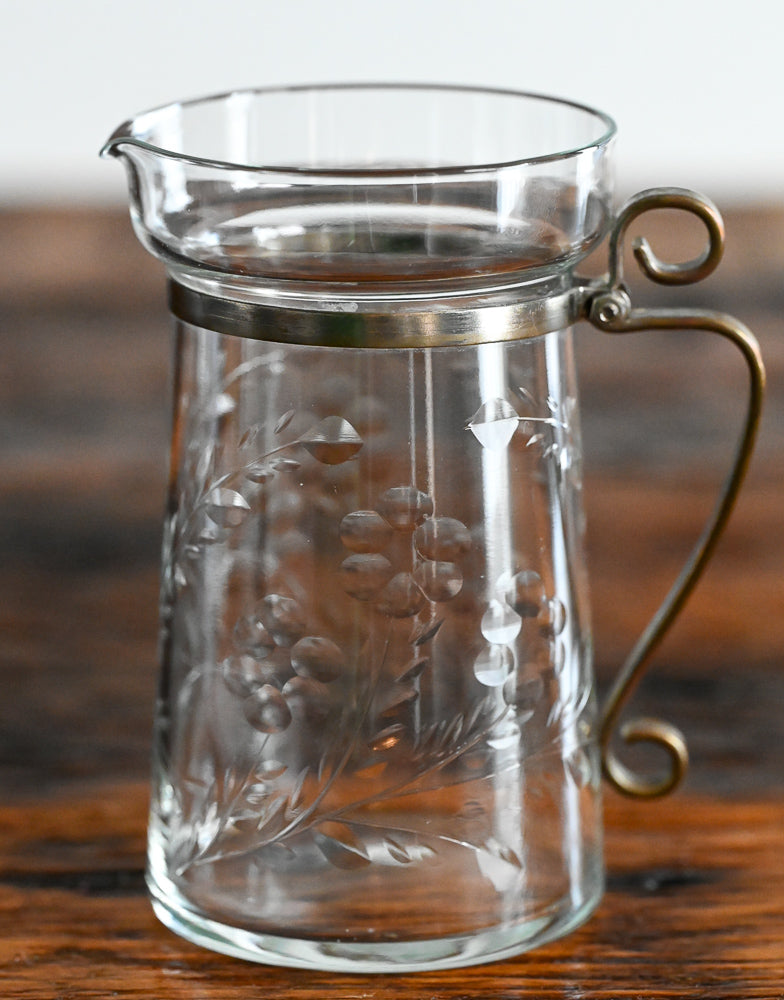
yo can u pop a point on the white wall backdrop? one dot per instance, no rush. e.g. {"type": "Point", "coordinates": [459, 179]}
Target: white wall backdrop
{"type": "Point", "coordinates": [696, 87]}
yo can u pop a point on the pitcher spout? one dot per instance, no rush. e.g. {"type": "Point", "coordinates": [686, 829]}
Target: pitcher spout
{"type": "Point", "coordinates": [113, 145]}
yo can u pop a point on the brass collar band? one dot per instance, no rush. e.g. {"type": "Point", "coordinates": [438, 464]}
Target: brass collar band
{"type": "Point", "coordinates": [397, 325]}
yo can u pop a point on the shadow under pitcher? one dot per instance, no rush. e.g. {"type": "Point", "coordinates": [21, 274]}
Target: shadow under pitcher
{"type": "Point", "coordinates": [377, 739]}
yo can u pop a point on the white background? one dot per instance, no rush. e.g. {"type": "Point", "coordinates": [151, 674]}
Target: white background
{"type": "Point", "coordinates": [696, 87]}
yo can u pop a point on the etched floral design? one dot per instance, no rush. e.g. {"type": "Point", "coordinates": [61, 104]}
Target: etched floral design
{"type": "Point", "coordinates": [332, 728]}
{"type": "Point", "coordinates": [297, 687]}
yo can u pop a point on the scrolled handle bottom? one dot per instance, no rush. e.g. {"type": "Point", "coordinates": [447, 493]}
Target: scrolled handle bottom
{"type": "Point", "coordinates": [662, 734]}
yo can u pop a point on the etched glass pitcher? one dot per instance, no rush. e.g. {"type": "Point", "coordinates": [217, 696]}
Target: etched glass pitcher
{"type": "Point", "coordinates": [377, 742]}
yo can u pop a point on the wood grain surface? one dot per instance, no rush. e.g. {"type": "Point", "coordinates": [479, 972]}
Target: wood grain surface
{"type": "Point", "coordinates": [695, 899]}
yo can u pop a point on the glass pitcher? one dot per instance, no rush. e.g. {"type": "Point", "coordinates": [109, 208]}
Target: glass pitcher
{"type": "Point", "coordinates": [377, 740]}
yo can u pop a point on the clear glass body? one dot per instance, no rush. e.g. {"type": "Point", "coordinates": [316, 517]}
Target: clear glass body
{"type": "Point", "coordinates": [375, 739]}
{"type": "Point", "coordinates": [376, 732]}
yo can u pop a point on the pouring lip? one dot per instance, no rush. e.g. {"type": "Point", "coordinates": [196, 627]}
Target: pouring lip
{"type": "Point", "coordinates": [123, 134]}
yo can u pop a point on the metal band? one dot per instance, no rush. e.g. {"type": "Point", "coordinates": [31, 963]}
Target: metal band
{"type": "Point", "coordinates": [397, 326]}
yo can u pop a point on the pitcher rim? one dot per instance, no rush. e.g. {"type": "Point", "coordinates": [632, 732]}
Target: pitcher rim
{"type": "Point", "coordinates": [122, 135]}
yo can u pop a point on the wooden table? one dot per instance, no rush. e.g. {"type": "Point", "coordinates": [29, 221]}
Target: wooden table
{"type": "Point", "coordinates": [695, 899]}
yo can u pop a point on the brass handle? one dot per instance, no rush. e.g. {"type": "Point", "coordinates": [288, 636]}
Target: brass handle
{"type": "Point", "coordinates": [608, 307]}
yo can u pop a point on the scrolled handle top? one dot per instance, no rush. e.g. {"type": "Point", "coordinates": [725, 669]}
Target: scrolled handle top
{"type": "Point", "coordinates": [684, 273]}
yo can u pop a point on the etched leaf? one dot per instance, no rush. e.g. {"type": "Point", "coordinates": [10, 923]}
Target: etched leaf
{"type": "Point", "coordinates": [253, 820]}
{"type": "Point", "coordinates": [211, 535]}
{"type": "Point", "coordinates": [249, 436]}
{"type": "Point", "coordinates": [276, 856]}
{"type": "Point", "coordinates": [295, 798]}
{"type": "Point", "coordinates": [430, 738]}
{"type": "Point", "coordinates": [413, 670]}
{"type": "Point", "coordinates": [340, 846]}
{"type": "Point", "coordinates": [388, 738]}
{"type": "Point", "coordinates": [227, 508]}
{"type": "Point", "coordinates": [526, 395]}
{"type": "Point", "coordinates": [398, 699]}
{"type": "Point", "coordinates": [451, 738]}
{"type": "Point", "coordinates": [286, 464]}
{"type": "Point", "coordinates": [271, 769]}
{"type": "Point", "coordinates": [483, 706]}
{"type": "Point", "coordinates": [503, 852]}
{"type": "Point", "coordinates": [397, 852]}
{"type": "Point", "coordinates": [424, 632]}
{"type": "Point", "coordinates": [284, 421]}
{"type": "Point", "coordinates": [454, 730]}
{"type": "Point", "coordinates": [259, 472]}
{"type": "Point", "coordinates": [326, 767]}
